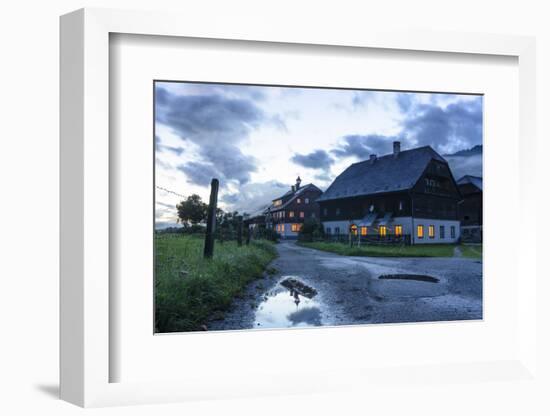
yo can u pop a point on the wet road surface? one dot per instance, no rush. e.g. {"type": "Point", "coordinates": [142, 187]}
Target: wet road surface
{"type": "Point", "coordinates": [347, 291]}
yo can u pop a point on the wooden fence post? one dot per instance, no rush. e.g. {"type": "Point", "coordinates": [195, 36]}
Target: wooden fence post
{"type": "Point", "coordinates": [211, 219]}
{"type": "Point", "coordinates": [240, 230]}
{"type": "Point", "coordinates": [248, 234]}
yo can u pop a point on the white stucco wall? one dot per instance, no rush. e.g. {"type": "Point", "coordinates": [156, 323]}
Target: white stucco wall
{"type": "Point", "coordinates": [287, 233]}
{"type": "Point", "coordinates": [409, 227]}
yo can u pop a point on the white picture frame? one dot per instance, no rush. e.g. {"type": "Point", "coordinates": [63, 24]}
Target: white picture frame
{"type": "Point", "coordinates": [85, 219]}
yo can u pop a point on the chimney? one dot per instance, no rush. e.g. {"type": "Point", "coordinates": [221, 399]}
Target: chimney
{"type": "Point", "coordinates": [298, 182]}
{"type": "Point", "coordinates": [372, 158]}
{"type": "Point", "coordinates": [396, 148]}
{"type": "Point", "coordinates": [293, 187]}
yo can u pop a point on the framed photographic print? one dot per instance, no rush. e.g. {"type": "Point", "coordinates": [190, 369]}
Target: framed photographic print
{"type": "Point", "coordinates": [329, 200]}
{"type": "Point", "coordinates": [330, 206]}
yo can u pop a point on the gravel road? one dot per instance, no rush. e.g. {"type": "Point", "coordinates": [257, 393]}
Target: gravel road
{"type": "Point", "coordinates": [349, 292]}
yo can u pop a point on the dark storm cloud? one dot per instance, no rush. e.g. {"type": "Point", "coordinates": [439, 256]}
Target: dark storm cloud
{"type": "Point", "coordinates": [456, 126]}
{"type": "Point", "coordinates": [318, 159]}
{"type": "Point", "coordinates": [324, 177]}
{"type": "Point", "coordinates": [361, 146]}
{"type": "Point", "coordinates": [199, 173]}
{"type": "Point", "coordinates": [404, 101]}
{"type": "Point", "coordinates": [253, 196]}
{"type": "Point", "coordinates": [465, 165]}
{"type": "Point", "coordinates": [177, 150]}
{"type": "Point", "coordinates": [217, 125]}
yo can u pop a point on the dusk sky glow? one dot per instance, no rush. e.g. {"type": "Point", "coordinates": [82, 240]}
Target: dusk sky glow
{"type": "Point", "coordinates": [256, 140]}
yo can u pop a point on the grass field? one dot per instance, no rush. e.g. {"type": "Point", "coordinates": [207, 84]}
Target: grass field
{"type": "Point", "coordinates": [189, 289]}
{"type": "Point", "coordinates": [428, 250]}
{"type": "Point", "coordinates": [472, 251]}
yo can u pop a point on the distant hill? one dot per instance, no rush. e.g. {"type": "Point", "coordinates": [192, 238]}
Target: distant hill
{"type": "Point", "coordinates": [476, 150]}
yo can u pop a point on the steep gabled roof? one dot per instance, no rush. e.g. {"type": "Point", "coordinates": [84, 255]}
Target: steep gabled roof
{"type": "Point", "coordinates": [474, 180]}
{"type": "Point", "coordinates": [386, 174]}
{"type": "Point", "coordinates": [293, 196]}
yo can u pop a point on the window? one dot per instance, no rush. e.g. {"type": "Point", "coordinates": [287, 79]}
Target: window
{"type": "Point", "coordinates": [382, 231]}
{"type": "Point", "coordinates": [328, 230]}
{"type": "Point", "coordinates": [400, 205]}
{"type": "Point", "coordinates": [398, 230]}
{"type": "Point", "coordinates": [313, 215]}
{"type": "Point", "coordinates": [325, 211]}
{"type": "Point", "coordinates": [307, 200]}
{"type": "Point", "coordinates": [441, 231]}
{"type": "Point", "coordinates": [337, 211]}
{"type": "Point", "coordinates": [337, 230]}
{"type": "Point", "coordinates": [278, 202]}
{"type": "Point", "coordinates": [363, 230]}
{"type": "Point", "coordinates": [420, 231]}
{"type": "Point", "coordinates": [353, 229]}
{"type": "Point", "coordinates": [291, 214]}
{"type": "Point", "coordinates": [431, 231]}
{"type": "Point", "coordinates": [295, 227]}
{"type": "Point", "coordinates": [298, 201]}
{"type": "Point", "coordinates": [301, 214]}
{"type": "Point", "coordinates": [453, 232]}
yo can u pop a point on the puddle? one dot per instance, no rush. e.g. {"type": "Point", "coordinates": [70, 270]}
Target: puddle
{"type": "Point", "coordinates": [418, 277]}
{"type": "Point", "coordinates": [290, 304]}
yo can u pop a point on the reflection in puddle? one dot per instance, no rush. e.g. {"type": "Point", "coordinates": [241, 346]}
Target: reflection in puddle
{"type": "Point", "coordinates": [288, 306]}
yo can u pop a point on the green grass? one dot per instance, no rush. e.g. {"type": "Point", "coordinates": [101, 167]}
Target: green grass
{"type": "Point", "coordinates": [190, 289]}
{"type": "Point", "coordinates": [431, 250]}
{"type": "Point", "coordinates": [472, 251]}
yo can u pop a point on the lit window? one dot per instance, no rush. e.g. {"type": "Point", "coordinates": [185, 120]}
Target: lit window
{"type": "Point", "coordinates": [363, 230]}
{"type": "Point", "coordinates": [298, 201]}
{"type": "Point", "coordinates": [295, 227]}
{"type": "Point", "coordinates": [307, 200]}
{"type": "Point", "coordinates": [382, 230]}
{"type": "Point", "coordinates": [301, 214]}
{"type": "Point", "coordinates": [353, 229]}
{"type": "Point", "coordinates": [398, 230]}
{"type": "Point", "coordinates": [277, 203]}
{"type": "Point", "coordinates": [291, 214]}
{"type": "Point", "coordinates": [420, 231]}
{"type": "Point", "coordinates": [431, 231]}
{"type": "Point", "coordinates": [441, 231]}
{"type": "Point", "coordinates": [453, 232]}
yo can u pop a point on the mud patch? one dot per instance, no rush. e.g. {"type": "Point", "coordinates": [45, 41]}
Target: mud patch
{"type": "Point", "coordinates": [418, 277]}
{"type": "Point", "coordinates": [299, 287]}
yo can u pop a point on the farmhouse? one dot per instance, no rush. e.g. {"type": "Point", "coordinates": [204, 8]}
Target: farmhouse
{"type": "Point", "coordinates": [470, 209]}
{"type": "Point", "coordinates": [287, 213]}
{"type": "Point", "coordinates": [408, 195]}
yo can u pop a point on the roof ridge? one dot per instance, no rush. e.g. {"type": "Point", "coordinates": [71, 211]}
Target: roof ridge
{"type": "Point", "coordinates": [388, 155]}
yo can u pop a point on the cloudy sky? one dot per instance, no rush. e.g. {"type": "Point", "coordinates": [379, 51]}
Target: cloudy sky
{"type": "Point", "coordinates": [256, 140]}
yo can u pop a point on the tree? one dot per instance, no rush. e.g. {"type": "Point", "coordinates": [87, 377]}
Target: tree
{"type": "Point", "coordinates": [192, 210]}
{"type": "Point", "coordinates": [311, 230]}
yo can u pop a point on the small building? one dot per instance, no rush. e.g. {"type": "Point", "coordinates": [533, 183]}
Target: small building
{"type": "Point", "coordinates": [470, 209]}
{"type": "Point", "coordinates": [256, 220]}
{"type": "Point", "coordinates": [408, 196]}
{"type": "Point", "coordinates": [288, 212]}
